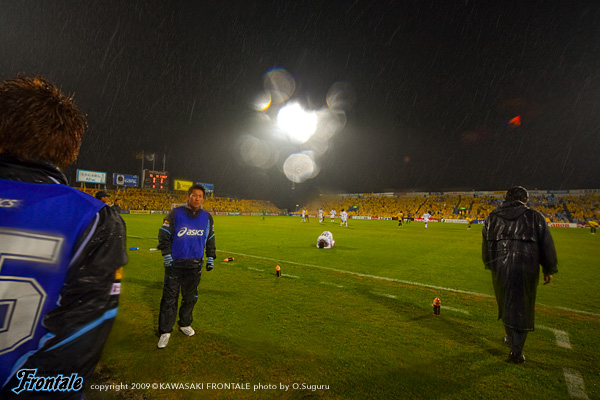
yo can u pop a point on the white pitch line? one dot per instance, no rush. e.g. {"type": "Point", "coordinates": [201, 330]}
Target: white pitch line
{"type": "Point", "coordinates": [575, 384]}
{"type": "Point", "coordinates": [389, 296]}
{"type": "Point", "coordinates": [361, 275]}
{"type": "Point", "coordinates": [562, 337]}
{"type": "Point", "coordinates": [332, 284]}
{"type": "Point", "coordinates": [575, 311]}
{"type": "Point", "coordinates": [396, 280]}
{"type": "Point", "coordinates": [455, 309]}
{"type": "Point", "coordinates": [256, 269]}
{"type": "Point", "coordinates": [290, 276]}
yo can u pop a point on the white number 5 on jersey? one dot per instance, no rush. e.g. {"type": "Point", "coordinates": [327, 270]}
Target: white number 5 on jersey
{"type": "Point", "coordinates": [22, 299]}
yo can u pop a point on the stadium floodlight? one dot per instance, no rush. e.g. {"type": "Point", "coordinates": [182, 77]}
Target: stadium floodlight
{"type": "Point", "coordinates": [296, 122]}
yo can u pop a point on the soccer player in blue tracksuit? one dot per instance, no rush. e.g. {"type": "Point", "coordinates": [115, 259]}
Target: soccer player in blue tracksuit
{"type": "Point", "coordinates": [61, 250]}
{"type": "Point", "coordinates": [186, 234]}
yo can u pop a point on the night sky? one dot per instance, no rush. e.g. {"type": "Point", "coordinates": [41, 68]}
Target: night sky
{"type": "Point", "coordinates": [427, 90]}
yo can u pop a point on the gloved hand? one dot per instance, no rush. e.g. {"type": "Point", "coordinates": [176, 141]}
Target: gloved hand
{"type": "Point", "coordinates": [168, 260]}
{"type": "Point", "coordinates": [210, 263]}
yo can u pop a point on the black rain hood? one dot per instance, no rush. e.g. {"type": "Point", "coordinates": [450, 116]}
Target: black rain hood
{"type": "Point", "coordinates": [510, 210]}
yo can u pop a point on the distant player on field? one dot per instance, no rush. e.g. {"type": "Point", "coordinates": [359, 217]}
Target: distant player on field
{"type": "Point", "coordinates": [426, 217]}
{"type": "Point", "coordinates": [593, 226]}
{"type": "Point", "coordinates": [332, 216]}
{"type": "Point", "coordinates": [325, 241]}
{"type": "Point", "coordinates": [320, 216]}
{"type": "Point", "coordinates": [344, 218]}
{"type": "Point", "coordinates": [303, 216]}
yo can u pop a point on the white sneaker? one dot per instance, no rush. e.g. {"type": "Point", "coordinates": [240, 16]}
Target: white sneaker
{"type": "Point", "coordinates": [163, 341]}
{"type": "Point", "coordinates": [187, 330]}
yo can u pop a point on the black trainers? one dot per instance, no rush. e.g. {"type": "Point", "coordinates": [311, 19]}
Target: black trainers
{"type": "Point", "coordinates": [515, 359]}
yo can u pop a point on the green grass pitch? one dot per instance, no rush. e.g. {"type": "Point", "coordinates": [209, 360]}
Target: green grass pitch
{"type": "Point", "coordinates": [352, 322]}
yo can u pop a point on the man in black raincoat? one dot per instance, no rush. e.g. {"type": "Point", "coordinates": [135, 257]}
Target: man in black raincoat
{"type": "Point", "coordinates": [516, 241]}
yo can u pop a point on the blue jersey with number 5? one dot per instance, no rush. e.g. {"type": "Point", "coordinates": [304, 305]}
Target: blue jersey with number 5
{"type": "Point", "coordinates": [40, 225]}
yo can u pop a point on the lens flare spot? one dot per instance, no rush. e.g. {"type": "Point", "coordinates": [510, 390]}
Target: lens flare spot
{"type": "Point", "coordinates": [341, 96]}
{"type": "Point", "coordinates": [298, 167]}
{"type": "Point", "coordinates": [280, 84]}
{"type": "Point", "coordinates": [256, 152]}
{"type": "Point", "coordinates": [262, 102]}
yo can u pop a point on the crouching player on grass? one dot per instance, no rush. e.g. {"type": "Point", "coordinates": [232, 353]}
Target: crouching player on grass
{"type": "Point", "coordinates": [325, 241]}
{"type": "Point", "coordinates": [186, 234]}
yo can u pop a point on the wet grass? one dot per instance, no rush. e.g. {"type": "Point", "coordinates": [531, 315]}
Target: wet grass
{"type": "Point", "coordinates": [353, 322]}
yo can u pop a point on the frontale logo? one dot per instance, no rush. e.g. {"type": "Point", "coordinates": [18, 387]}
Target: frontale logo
{"type": "Point", "coordinates": [30, 382]}
{"type": "Point", "coordinates": [190, 232]}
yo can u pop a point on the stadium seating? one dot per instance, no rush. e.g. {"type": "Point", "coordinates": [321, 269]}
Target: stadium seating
{"type": "Point", "coordinates": [575, 209]}
{"type": "Point", "coordinates": [147, 199]}
{"type": "Point", "coordinates": [569, 208]}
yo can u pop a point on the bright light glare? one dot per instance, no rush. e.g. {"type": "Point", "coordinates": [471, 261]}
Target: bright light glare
{"type": "Point", "coordinates": [297, 123]}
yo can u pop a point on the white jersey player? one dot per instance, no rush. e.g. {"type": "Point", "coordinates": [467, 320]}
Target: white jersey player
{"type": "Point", "coordinates": [344, 218]}
{"type": "Point", "coordinates": [426, 217]}
{"type": "Point", "coordinates": [303, 216]}
{"type": "Point", "coordinates": [320, 216]}
{"type": "Point", "coordinates": [332, 215]}
{"type": "Point", "coordinates": [325, 241]}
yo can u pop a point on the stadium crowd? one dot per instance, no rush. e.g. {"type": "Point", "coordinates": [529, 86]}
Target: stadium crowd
{"type": "Point", "coordinates": [574, 209]}
{"type": "Point", "coordinates": [568, 208]}
{"type": "Point", "coordinates": [147, 199]}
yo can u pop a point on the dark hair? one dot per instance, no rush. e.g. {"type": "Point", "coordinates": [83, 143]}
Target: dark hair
{"type": "Point", "coordinates": [517, 193]}
{"type": "Point", "coordinates": [322, 243]}
{"type": "Point", "coordinates": [101, 194]}
{"type": "Point", "coordinates": [38, 122]}
{"type": "Point", "coordinates": [197, 187]}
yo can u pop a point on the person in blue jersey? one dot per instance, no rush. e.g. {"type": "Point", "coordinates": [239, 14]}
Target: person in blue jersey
{"type": "Point", "coordinates": [186, 235]}
{"type": "Point", "coordinates": [61, 249]}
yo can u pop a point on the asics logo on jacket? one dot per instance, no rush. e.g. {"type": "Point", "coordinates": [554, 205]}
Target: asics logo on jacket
{"type": "Point", "coordinates": [190, 232]}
